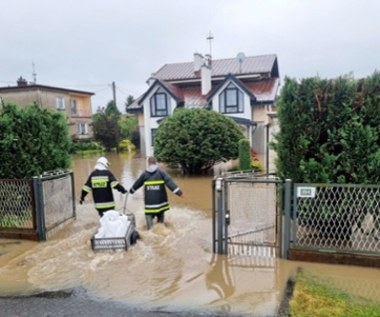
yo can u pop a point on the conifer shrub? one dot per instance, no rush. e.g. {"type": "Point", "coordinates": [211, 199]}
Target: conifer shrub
{"type": "Point", "coordinates": [244, 155]}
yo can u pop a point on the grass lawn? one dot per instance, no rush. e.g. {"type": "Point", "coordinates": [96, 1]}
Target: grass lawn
{"type": "Point", "coordinates": [315, 298]}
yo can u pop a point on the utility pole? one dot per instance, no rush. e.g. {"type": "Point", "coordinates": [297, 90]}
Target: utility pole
{"type": "Point", "coordinates": [114, 93]}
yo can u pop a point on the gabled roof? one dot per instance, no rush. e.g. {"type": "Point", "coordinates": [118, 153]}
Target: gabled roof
{"type": "Point", "coordinates": [220, 68]}
{"type": "Point", "coordinates": [262, 91]}
{"type": "Point", "coordinates": [173, 91]}
{"type": "Point", "coordinates": [184, 85]}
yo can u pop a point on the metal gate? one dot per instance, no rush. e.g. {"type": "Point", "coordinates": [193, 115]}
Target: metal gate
{"type": "Point", "coordinates": [246, 215]}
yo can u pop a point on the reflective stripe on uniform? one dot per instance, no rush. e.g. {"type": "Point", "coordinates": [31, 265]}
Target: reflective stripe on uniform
{"type": "Point", "coordinates": [87, 189]}
{"type": "Point", "coordinates": [156, 206]}
{"type": "Point", "coordinates": [105, 205]}
{"type": "Point", "coordinates": [114, 184]}
{"type": "Point", "coordinates": [157, 182]}
{"type": "Point", "coordinates": [157, 210]}
{"type": "Point", "coordinates": [176, 190]}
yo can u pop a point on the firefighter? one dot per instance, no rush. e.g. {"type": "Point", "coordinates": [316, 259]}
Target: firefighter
{"type": "Point", "coordinates": [101, 182]}
{"type": "Point", "coordinates": [156, 199]}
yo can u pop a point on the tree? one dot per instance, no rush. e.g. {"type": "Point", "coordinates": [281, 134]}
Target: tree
{"type": "Point", "coordinates": [196, 139]}
{"type": "Point", "coordinates": [106, 127]}
{"type": "Point", "coordinates": [111, 109]}
{"type": "Point", "coordinates": [127, 125]}
{"type": "Point", "coordinates": [130, 99]}
{"type": "Point", "coordinates": [32, 141]}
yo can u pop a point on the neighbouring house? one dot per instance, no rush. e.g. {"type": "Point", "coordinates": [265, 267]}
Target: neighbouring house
{"type": "Point", "coordinates": [75, 104]}
{"type": "Point", "coordinates": [242, 88]}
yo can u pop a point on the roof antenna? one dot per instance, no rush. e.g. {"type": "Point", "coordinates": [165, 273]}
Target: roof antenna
{"type": "Point", "coordinates": [209, 38]}
{"type": "Point", "coordinates": [34, 74]}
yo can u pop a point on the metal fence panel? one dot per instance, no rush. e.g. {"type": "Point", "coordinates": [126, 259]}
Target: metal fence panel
{"type": "Point", "coordinates": [16, 204]}
{"type": "Point", "coordinates": [337, 217]}
{"type": "Point", "coordinates": [252, 213]}
{"type": "Point", "coordinates": [58, 199]}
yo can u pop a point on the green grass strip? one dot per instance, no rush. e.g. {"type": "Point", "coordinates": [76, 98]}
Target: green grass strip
{"type": "Point", "coordinates": [314, 298]}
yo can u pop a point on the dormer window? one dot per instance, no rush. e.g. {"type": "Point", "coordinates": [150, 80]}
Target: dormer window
{"type": "Point", "coordinates": [159, 104]}
{"type": "Point", "coordinates": [231, 100]}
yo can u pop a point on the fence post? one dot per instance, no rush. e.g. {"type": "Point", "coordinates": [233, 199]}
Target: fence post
{"type": "Point", "coordinates": [279, 218]}
{"type": "Point", "coordinates": [220, 215]}
{"type": "Point", "coordinates": [73, 194]}
{"type": "Point", "coordinates": [214, 239]}
{"type": "Point", "coordinates": [39, 207]}
{"type": "Point", "coordinates": [287, 205]}
{"type": "Point", "coordinates": [226, 217]}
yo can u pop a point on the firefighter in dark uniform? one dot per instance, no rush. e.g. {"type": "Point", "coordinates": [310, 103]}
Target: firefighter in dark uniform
{"type": "Point", "coordinates": [101, 182]}
{"type": "Point", "coordinates": [156, 199]}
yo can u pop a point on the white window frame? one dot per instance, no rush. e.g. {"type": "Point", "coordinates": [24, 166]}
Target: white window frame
{"type": "Point", "coordinates": [159, 104]}
{"type": "Point", "coordinates": [234, 105]}
{"type": "Point", "coordinates": [82, 128]}
{"type": "Point", "coordinates": [60, 103]}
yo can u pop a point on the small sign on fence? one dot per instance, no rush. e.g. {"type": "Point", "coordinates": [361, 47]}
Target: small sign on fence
{"type": "Point", "coordinates": [306, 192]}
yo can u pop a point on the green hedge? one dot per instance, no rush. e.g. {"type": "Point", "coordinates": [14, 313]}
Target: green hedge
{"type": "Point", "coordinates": [329, 130]}
{"type": "Point", "coordinates": [32, 140]}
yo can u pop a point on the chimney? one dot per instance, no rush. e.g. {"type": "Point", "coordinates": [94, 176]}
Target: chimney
{"type": "Point", "coordinates": [21, 82]}
{"type": "Point", "coordinates": [206, 79]}
{"type": "Point", "coordinates": [198, 61]}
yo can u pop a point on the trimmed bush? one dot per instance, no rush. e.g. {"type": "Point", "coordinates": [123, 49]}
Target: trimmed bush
{"type": "Point", "coordinates": [196, 139]}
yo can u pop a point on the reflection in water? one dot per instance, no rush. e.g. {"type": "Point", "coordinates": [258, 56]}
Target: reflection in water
{"type": "Point", "coordinates": [169, 267]}
{"type": "Point", "coordinates": [219, 279]}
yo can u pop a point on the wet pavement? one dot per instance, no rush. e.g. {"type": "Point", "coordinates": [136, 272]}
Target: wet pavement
{"type": "Point", "coordinates": [79, 304]}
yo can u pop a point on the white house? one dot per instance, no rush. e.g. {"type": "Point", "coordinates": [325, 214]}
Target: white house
{"type": "Point", "coordinates": [243, 89]}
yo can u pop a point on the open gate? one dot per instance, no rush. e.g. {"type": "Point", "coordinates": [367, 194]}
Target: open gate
{"type": "Point", "coordinates": [246, 216]}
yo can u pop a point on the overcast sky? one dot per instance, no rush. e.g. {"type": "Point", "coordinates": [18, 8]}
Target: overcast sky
{"type": "Point", "coordinates": [88, 44]}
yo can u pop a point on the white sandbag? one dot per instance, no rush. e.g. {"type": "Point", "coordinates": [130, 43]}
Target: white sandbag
{"type": "Point", "coordinates": [112, 225]}
{"type": "Point", "coordinates": [122, 230]}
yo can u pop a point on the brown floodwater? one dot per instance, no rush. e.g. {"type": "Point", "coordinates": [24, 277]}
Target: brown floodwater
{"type": "Point", "coordinates": [171, 266]}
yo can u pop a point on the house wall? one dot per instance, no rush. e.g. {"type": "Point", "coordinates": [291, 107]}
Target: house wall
{"type": "Point", "coordinates": [47, 99]}
{"type": "Point", "coordinates": [21, 98]}
{"type": "Point", "coordinates": [152, 122]}
{"type": "Point", "coordinates": [274, 129]}
{"type": "Point", "coordinates": [266, 127]}
{"type": "Point", "coordinates": [141, 127]}
{"type": "Point", "coordinates": [81, 115]}
{"type": "Point", "coordinates": [260, 113]}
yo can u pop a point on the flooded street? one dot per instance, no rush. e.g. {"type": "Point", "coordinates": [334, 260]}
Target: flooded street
{"type": "Point", "coordinates": [172, 266]}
